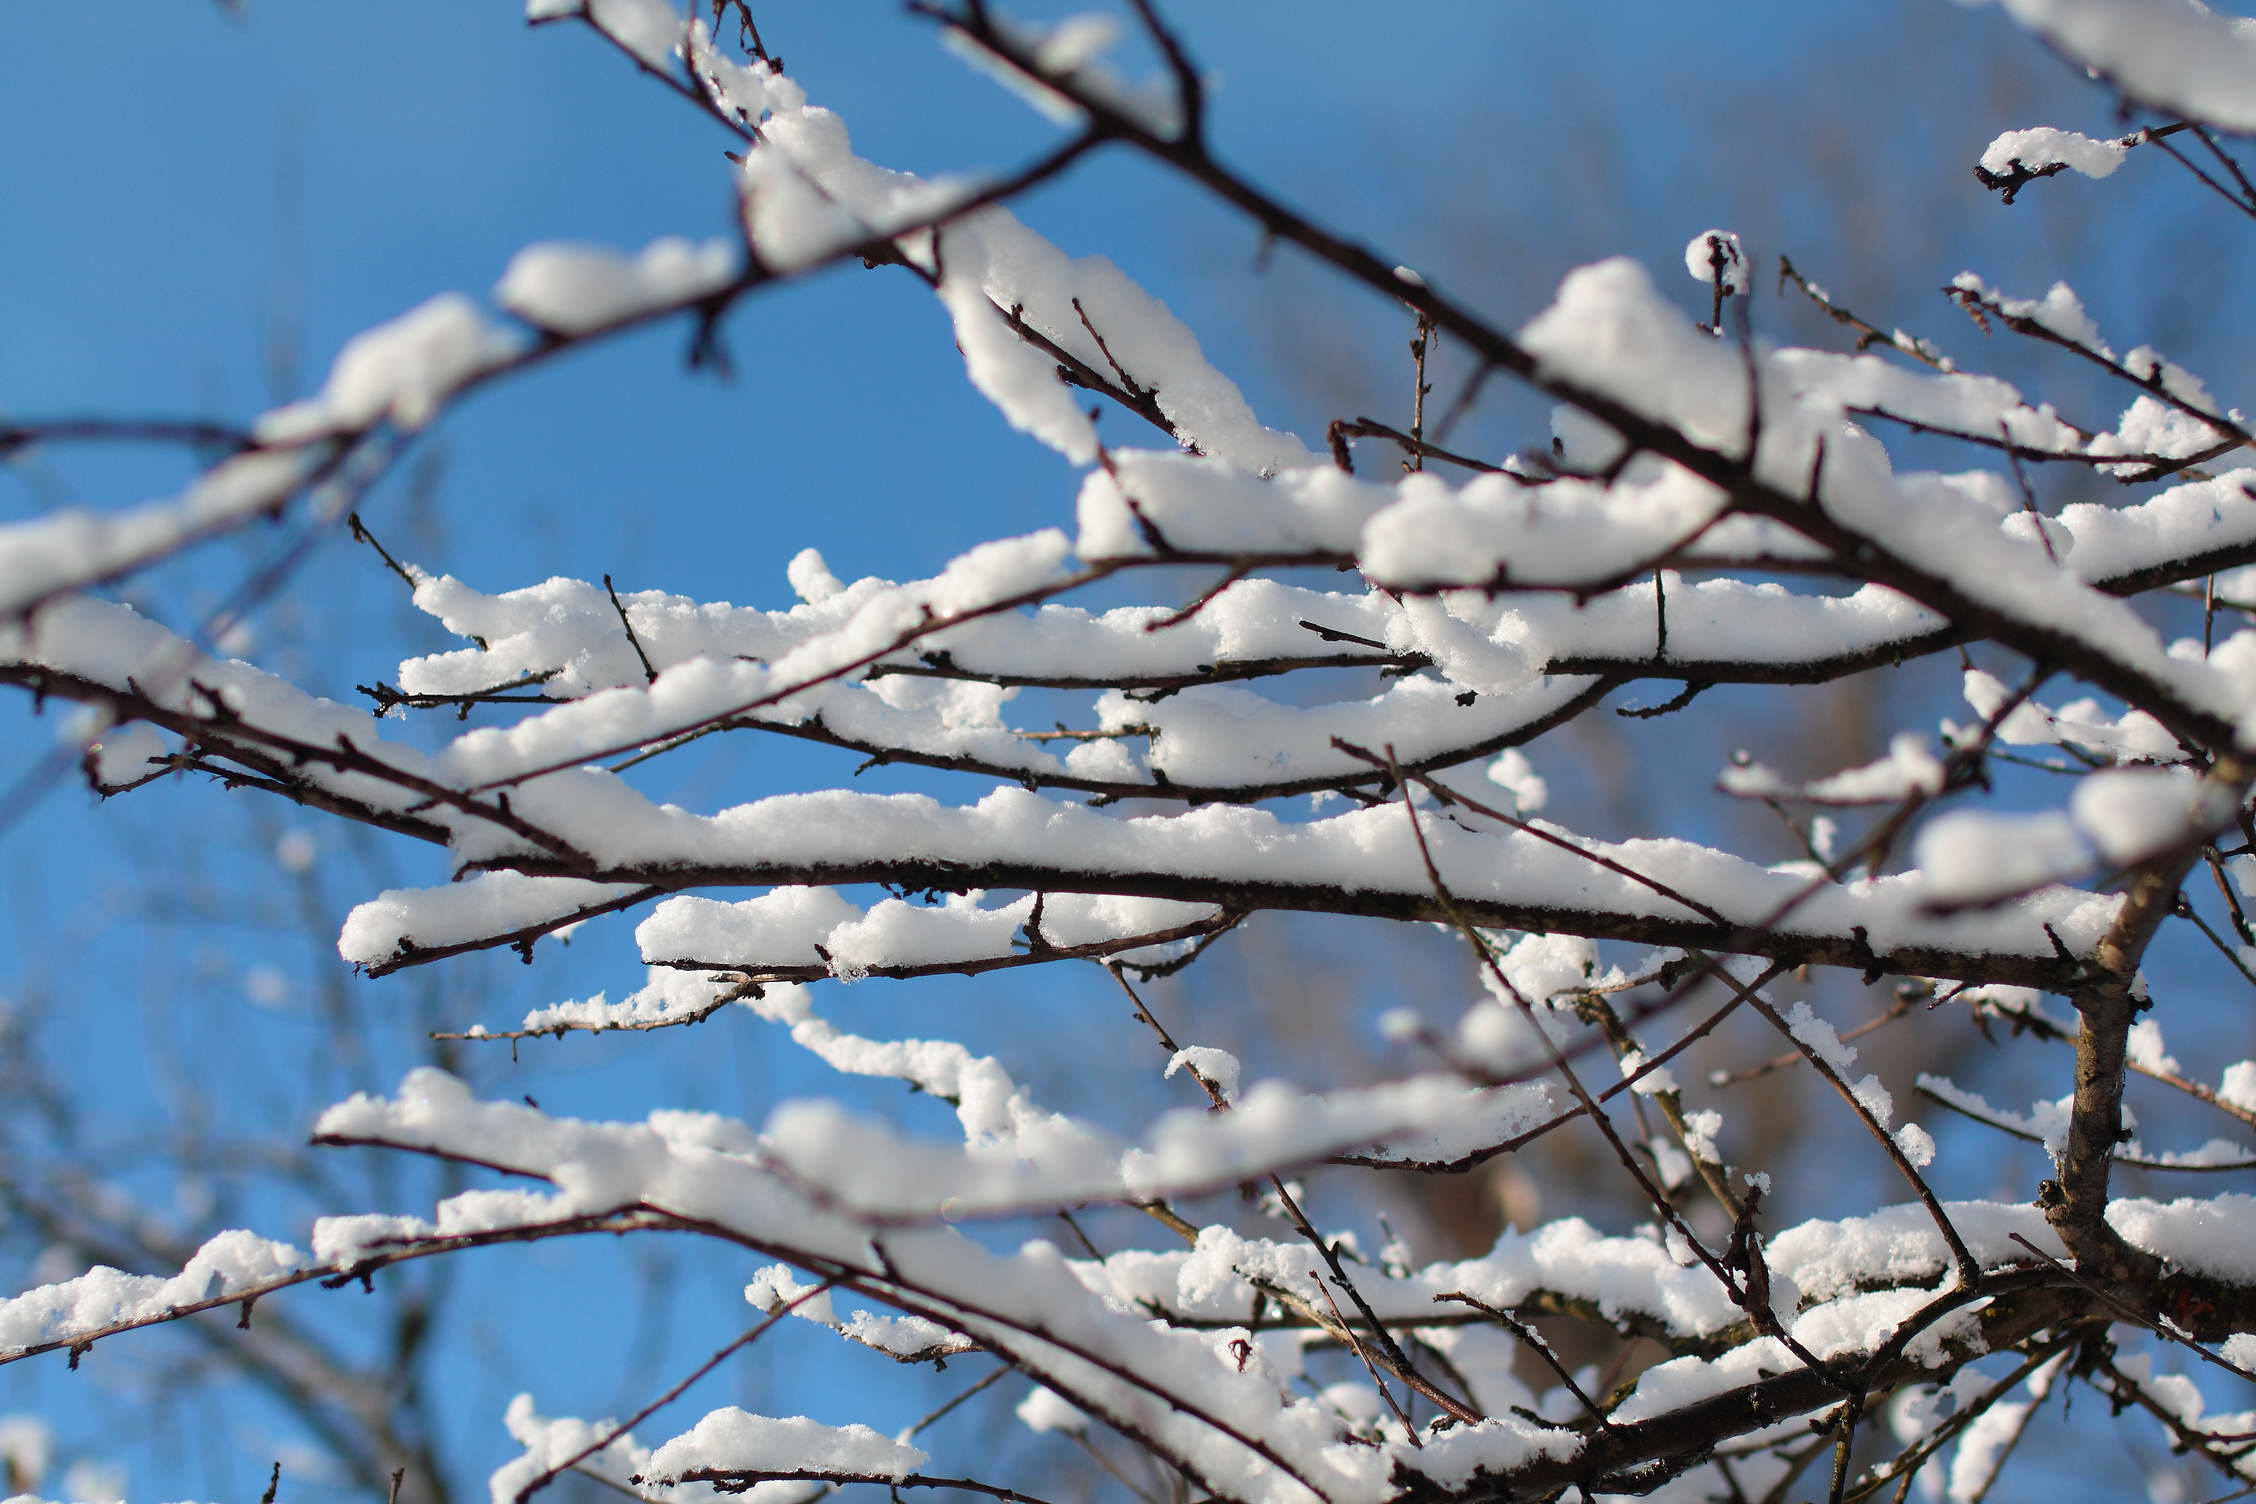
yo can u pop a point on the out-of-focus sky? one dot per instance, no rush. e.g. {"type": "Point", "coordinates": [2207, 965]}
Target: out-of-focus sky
{"type": "Point", "coordinates": [201, 204]}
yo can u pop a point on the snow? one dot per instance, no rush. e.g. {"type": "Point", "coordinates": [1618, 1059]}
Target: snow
{"type": "Point", "coordinates": [1512, 772]}
{"type": "Point", "coordinates": [1070, 50]}
{"type": "Point", "coordinates": [2059, 311]}
{"type": "Point", "coordinates": [2150, 426]}
{"type": "Point", "coordinates": [2133, 736]}
{"type": "Point", "coordinates": [1910, 769]}
{"type": "Point", "coordinates": [1174, 1383]}
{"type": "Point", "coordinates": [1646, 1082]}
{"type": "Point", "coordinates": [2211, 1236]}
{"type": "Point", "coordinates": [1487, 644]}
{"type": "Point", "coordinates": [2146, 1050]}
{"type": "Point", "coordinates": [1826, 1258]}
{"type": "Point", "coordinates": [404, 371]}
{"type": "Point", "coordinates": [906, 1338]}
{"type": "Point", "coordinates": [2048, 1123]}
{"type": "Point", "coordinates": [2130, 813]}
{"type": "Point", "coordinates": [1825, 1043]}
{"type": "Point", "coordinates": [2116, 816]}
{"type": "Point", "coordinates": [126, 754]}
{"type": "Point", "coordinates": [751, 90]}
{"type": "Point", "coordinates": [648, 29]}
{"type": "Point", "coordinates": [889, 1178]}
{"type": "Point", "coordinates": [1704, 252]}
{"type": "Point", "coordinates": [1976, 855]}
{"type": "Point", "coordinates": [550, 1443]}
{"type": "Point", "coordinates": [990, 253]}
{"type": "Point", "coordinates": [1015, 376]}
{"type": "Point", "coordinates": [2039, 147]}
{"type": "Point", "coordinates": [1700, 1130]}
{"type": "Point", "coordinates": [832, 836]}
{"type": "Point", "coordinates": [732, 1440]}
{"type": "Point", "coordinates": [1208, 1065]}
{"type": "Point", "coordinates": [1917, 1144]}
{"type": "Point", "coordinates": [1494, 606]}
{"type": "Point", "coordinates": [1981, 1449]}
{"type": "Point", "coordinates": [2238, 1089]}
{"type": "Point", "coordinates": [1853, 1324]}
{"type": "Point", "coordinates": [789, 221]}
{"type": "Point", "coordinates": [2148, 365]}
{"type": "Point", "coordinates": [2174, 56]}
{"type": "Point", "coordinates": [26, 1449]}
{"type": "Point", "coordinates": [1607, 330]}
{"type": "Point", "coordinates": [1823, 1273]}
{"type": "Point", "coordinates": [227, 1263]}
{"type": "Point", "coordinates": [1622, 1276]}
{"type": "Point", "coordinates": [490, 903]}
{"type": "Point", "coordinates": [575, 289]}
{"type": "Point", "coordinates": [817, 927]}
{"type": "Point", "coordinates": [667, 996]}
{"type": "Point", "coordinates": [1042, 1410]}
{"type": "Point", "coordinates": [1564, 534]}
{"type": "Point", "coordinates": [69, 548]}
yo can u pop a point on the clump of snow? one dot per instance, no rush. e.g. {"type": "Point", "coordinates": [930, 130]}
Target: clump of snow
{"type": "Point", "coordinates": [1975, 855]}
{"type": "Point", "coordinates": [1015, 376]}
{"type": "Point", "coordinates": [1672, 1164]}
{"type": "Point", "coordinates": [1908, 769]}
{"type": "Point", "coordinates": [2081, 723]}
{"type": "Point", "coordinates": [71, 547]}
{"type": "Point", "coordinates": [2059, 312]}
{"type": "Point", "coordinates": [2146, 1049]}
{"type": "Point", "coordinates": [1646, 1082]}
{"type": "Point", "coordinates": [2130, 813]}
{"type": "Point", "coordinates": [227, 1263]}
{"type": "Point", "coordinates": [1217, 1067]}
{"type": "Point", "coordinates": [2214, 1236]}
{"type": "Point", "coordinates": [1714, 258]}
{"type": "Point", "coordinates": [649, 29]}
{"type": "Point", "coordinates": [126, 754]}
{"type": "Point", "coordinates": [26, 1449]}
{"type": "Point", "coordinates": [733, 1440]}
{"type": "Point", "coordinates": [1982, 1447]}
{"type": "Point", "coordinates": [490, 903]}
{"type": "Point", "coordinates": [1900, 1243]}
{"type": "Point", "coordinates": [2041, 146]}
{"type": "Point", "coordinates": [574, 289]}
{"type": "Point", "coordinates": [1917, 1144]}
{"type": "Point", "coordinates": [2182, 59]}
{"type": "Point", "coordinates": [1512, 772]}
{"type": "Point", "coordinates": [1700, 1130]}
{"type": "Point", "coordinates": [550, 1443]}
{"type": "Point", "coordinates": [777, 1289]}
{"type": "Point", "coordinates": [790, 222]}
{"type": "Point", "coordinates": [2238, 1088]}
{"type": "Point", "coordinates": [2117, 816]}
{"type": "Point", "coordinates": [1044, 1410]}
{"type": "Point", "coordinates": [404, 371]}
{"type": "Point", "coordinates": [811, 578]}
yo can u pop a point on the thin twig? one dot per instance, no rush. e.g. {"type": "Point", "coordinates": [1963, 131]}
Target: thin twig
{"type": "Point", "coordinates": [649, 674]}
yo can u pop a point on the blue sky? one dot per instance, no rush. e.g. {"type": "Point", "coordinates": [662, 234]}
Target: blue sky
{"type": "Point", "coordinates": [203, 206]}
